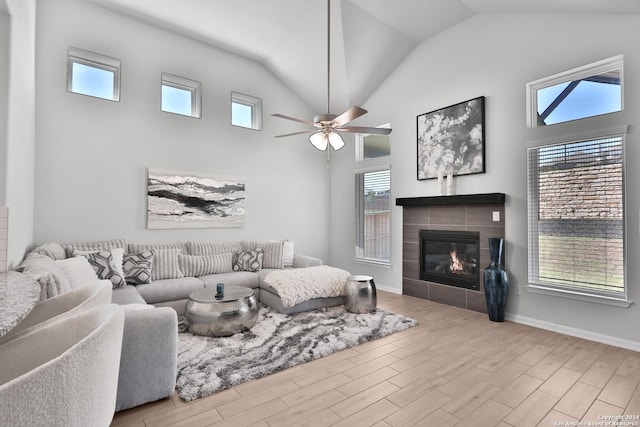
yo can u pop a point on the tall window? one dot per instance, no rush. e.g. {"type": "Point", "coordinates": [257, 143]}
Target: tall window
{"type": "Point", "coordinates": [373, 216]}
{"type": "Point", "coordinates": [246, 111]}
{"type": "Point", "coordinates": [92, 74]}
{"type": "Point", "coordinates": [181, 96]}
{"type": "Point", "coordinates": [576, 217]}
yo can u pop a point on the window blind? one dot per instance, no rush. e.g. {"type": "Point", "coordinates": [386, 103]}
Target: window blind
{"type": "Point", "coordinates": [576, 216]}
{"type": "Point", "coordinates": [373, 215]}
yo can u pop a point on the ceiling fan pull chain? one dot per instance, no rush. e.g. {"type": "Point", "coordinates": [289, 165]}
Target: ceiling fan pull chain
{"type": "Point", "coordinates": [328, 55]}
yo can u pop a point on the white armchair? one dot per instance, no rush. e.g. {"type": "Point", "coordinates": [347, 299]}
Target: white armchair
{"type": "Point", "coordinates": [65, 373]}
{"type": "Point", "coordinates": [65, 305]}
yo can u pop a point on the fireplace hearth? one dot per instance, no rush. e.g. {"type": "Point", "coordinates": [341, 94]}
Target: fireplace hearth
{"type": "Point", "coordinates": [450, 258]}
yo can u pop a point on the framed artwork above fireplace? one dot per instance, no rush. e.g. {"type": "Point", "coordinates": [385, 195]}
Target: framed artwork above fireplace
{"type": "Point", "coordinates": [451, 140]}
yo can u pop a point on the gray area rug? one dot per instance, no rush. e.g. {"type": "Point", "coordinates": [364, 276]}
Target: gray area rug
{"type": "Point", "coordinates": [278, 341]}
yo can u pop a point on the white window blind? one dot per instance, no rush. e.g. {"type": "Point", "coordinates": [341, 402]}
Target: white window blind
{"type": "Point", "coordinates": [576, 217]}
{"type": "Point", "coordinates": [373, 216]}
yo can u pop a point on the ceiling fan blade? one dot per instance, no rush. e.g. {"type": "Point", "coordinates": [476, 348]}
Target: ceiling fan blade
{"type": "Point", "coordinates": [349, 115]}
{"type": "Point", "coordinates": [295, 133]}
{"type": "Point", "coordinates": [364, 129]}
{"type": "Point", "coordinates": [282, 116]}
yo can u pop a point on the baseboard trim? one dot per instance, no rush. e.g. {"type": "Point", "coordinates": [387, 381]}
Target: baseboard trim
{"type": "Point", "coordinates": [389, 289]}
{"type": "Point", "coordinates": [574, 332]}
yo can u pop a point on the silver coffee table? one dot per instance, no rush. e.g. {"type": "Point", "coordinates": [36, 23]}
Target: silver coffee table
{"type": "Point", "coordinates": [234, 313]}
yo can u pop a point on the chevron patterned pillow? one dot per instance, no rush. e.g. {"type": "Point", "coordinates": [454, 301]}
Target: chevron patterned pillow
{"type": "Point", "coordinates": [137, 267]}
{"type": "Point", "coordinates": [249, 260]}
{"type": "Point", "coordinates": [102, 263]}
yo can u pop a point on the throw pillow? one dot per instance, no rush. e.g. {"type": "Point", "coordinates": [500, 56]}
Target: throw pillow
{"type": "Point", "coordinates": [287, 254]}
{"type": "Point", "coordinates": [78, 271]}
{"type": "Point", "coordinates": [201, 265]}
{"type": "Point", "coordinates": [272, 252]}
{"type": "Point", "coordinates": [213, 248]}
{"type": "Point", "coordinates": [137, 267]}
{"type": "Point", "coordinates": [50, 276]}
{"type": "Point", "coordinates": [116, 253]}
{"type": "Point", "coordinates": [53, 250]}
{"type": "Point", "coordinates": [248, 260]}
{"type": "Point", "coordinates": [165, 264]}
{"type": "Point", "coordinates": [103, 265]}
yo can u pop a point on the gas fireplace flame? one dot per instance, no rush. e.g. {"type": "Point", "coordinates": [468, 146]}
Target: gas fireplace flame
{"type": "Point", "coordinates": [456, 264]}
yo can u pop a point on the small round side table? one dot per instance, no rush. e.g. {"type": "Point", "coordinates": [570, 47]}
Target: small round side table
{"type": "Point", "coordinates": [360, 294]}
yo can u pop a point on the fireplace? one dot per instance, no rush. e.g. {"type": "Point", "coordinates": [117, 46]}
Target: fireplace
{"type": "Point", "coordinates": [450, 258]}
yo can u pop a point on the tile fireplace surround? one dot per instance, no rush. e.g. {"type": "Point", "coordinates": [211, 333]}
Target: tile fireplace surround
{"type": "Point", "coordinates": [471, 212]}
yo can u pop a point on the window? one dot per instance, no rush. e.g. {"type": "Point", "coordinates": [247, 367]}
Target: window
{"type": "Point", "coordinates": [92, 74]}
{"type": "Point", "coordinates": [246, 111]}
{"type": "Point", "coordinates": [181, 96]}
{"type": "Point", "coordinates": [373, 215]}
{"type": "Point", "coordinates": [576, 218]}
{"type": "Point", "coordinates": [372, 146]}
{"type": "Point", "coordinates": [587, 91]}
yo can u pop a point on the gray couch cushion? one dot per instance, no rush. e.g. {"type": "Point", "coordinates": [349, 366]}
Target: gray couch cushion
{"type": "Point", "coordinates": [238, 278]}
{"type": "Point", "coordinates": [94, 246]}
{"type": "Point", "coordinates": [139, 247]}
{"type": "Point", "coordinates": [169, 289]}
{"type": "Point", "coordinates": [126, 295]}
{"type": "Point", "coordinates": [149, 359]}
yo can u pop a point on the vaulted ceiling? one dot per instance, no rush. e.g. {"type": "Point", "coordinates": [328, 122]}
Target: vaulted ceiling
{"type": "Point", "coordinates": [369, 38]}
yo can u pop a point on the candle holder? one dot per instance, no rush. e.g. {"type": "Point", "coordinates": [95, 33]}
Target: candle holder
{"type": "Point", "coordinates": [450, 187]}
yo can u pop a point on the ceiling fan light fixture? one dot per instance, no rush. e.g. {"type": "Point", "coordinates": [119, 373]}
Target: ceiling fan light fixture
{"type": "Point", "coordinates": [319, 140]}
{"type": "Point", "coordinates": [336, 141]}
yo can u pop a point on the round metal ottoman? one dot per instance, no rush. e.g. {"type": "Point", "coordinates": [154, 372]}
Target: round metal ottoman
{"type": "Point", "coordinates": [360, 294]}
{"type": "Point", "coordinates": [235, 312]}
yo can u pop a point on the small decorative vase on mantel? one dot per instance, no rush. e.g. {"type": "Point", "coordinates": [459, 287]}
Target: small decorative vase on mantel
{"type": "Point", "coordinates": [496, 281]}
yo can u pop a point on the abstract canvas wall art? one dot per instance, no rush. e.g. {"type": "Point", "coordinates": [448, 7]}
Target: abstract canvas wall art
{"type": "Point", "coordinates": [177, 199]}
{"type": "Point", "coordinates": [451, 140]}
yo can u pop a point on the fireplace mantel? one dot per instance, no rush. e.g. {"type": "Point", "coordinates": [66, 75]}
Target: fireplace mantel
{"type": "Point", "coordinates": [462, 199]}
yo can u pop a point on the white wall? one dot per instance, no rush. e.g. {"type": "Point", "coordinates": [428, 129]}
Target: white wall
{"type": "Point", "coordinates": [495, 56]}
{"type": "Point", "coordinates": [20, 136]}
{"type": "Point", "coordinates": [5, 39]}
{"type": "Point", "coordinates": [92, 155]}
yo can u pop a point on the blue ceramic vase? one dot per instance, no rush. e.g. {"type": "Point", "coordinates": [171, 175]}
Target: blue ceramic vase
{"type": "Point", "coordinates": [496, 281]}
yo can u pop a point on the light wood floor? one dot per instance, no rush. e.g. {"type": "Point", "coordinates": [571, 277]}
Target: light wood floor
{"type": "Point", "coordinates": [455, 368]}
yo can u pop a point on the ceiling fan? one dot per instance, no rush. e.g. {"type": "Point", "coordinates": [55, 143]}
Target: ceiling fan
{"type": "Point", "coordinates": [326, 126]}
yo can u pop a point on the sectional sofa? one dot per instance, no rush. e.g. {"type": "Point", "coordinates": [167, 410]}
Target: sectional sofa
{"type": "Point", "coordinates": [153, 281]}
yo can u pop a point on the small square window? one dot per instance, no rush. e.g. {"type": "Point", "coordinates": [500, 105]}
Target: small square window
{"type": "Point", "coordinates": [181, 96]}
{"type": "Point", "coordinates": [92, 74]}
{"type": "Point", "coordinates": [369, 146]}
{"type": "Point", "coordinates": [246, 111]}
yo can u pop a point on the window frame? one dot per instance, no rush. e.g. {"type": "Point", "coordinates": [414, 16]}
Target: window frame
{"type": "Point", "coordinates": [378, 167]}
{"type": "Point", "coordinates": [181, 83]}
{"type": "Point", "coordinates": [359, 144]}
{"type": "Point", "coordinates": [254, 103]}
{"type": "Point", "coordinates": [537, 286]}
{"type": "Point", "coordinates": [94, 60]}
{"type": "Point", "coordinates": [595, 68]}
